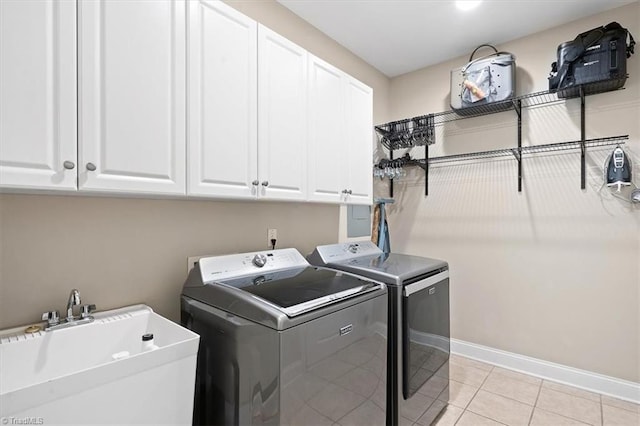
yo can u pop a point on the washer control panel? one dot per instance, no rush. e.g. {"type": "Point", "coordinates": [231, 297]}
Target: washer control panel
{"type": "Point", "coordinates": [346, 251]}
{"type": "Point", "coordinates": [220, 268]}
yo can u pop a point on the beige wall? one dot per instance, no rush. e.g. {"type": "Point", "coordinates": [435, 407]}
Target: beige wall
{"type": "Point", "coordinates": [551, 272]}
{"type": "Point", "coordinates": [119, 251]}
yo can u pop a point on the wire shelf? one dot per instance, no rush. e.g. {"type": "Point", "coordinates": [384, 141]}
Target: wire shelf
{"type": "Point", "coordinates": [525, 101]}
{"type": "Point", "coordinates": [539, 98]}
{"type": "Point", "coordinates": [397, 129]}
{"type": "Point", "coordinates": [474, 155]}
{"type": "Point", "coordinates": [440, 118]}
{"type": "Point", "coordinates": [552, 147]}
{"type": "Point", "coordinates": [563, 146]}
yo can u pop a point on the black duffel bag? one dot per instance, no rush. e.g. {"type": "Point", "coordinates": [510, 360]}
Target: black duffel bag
{"type": "Point", "coordinates": [595, 60]}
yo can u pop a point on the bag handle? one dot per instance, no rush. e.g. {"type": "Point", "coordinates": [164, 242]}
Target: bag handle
{"type": "Point", "coordinates": [496, 53]}
{"type": "Point", "coordinates": [480, 47]}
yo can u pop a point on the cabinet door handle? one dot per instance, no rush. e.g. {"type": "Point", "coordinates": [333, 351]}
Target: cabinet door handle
{"type": "Point", "coordinates": [255, 182]}
{"type": "Point", "coordinates": [265, 183]}
{"type": "Point", "coordinates": [349, 192]}
{"type": "Point", "coordinates": [344, 191]}
{"type": "Point", "coordinates": [69, 165]}
{"type": "Point", "coordinates": [91, 167]}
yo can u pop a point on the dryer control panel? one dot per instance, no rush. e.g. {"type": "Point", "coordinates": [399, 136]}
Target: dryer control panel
{"type": "Point", "coordinates": [219, 268]}
{"type": "Point", "coordinates": [344, 251]}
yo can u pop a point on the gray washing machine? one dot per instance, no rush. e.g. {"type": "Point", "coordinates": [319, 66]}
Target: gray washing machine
{"type": "Point", "coordinates": [284, 343]}
{"type": "Point", "coordinates": [419, 329]}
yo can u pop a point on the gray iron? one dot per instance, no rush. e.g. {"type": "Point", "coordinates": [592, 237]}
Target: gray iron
{"type": "Point", "coordinates": [618, 169]}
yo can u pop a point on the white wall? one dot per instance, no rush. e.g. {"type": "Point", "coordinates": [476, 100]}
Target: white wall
{"type": "Point", "coordinates": [551, 272]}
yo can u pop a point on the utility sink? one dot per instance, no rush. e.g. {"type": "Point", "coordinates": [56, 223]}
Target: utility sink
{"type": "Point", "coordinates": [97, 373]}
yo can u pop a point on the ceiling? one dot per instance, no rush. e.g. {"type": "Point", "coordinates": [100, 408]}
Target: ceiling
{"type": "Point", "coordinates": [400, 36]}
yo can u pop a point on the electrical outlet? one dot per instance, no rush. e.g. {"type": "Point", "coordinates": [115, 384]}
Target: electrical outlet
{"type": "Point", "coordinates": [272, 234]}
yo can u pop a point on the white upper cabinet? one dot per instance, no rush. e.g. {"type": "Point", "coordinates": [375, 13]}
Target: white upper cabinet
{"type": "Point", "coordinates": [327, 158]}
{"type": "Point", "coordinates": [132, 96]}
{"type": "Point", "coordinates": [124, 97]}
{"type": "Point", "coordinates": [282, 117]}
{"type": "Point", "coordinates": [38, 94]}
{"type": "Point", "coordinates": [359, 142]}
{"type": "Point", "coordinates": [223, 89]}
{"type": "Point", "coordinates": [340, 136]}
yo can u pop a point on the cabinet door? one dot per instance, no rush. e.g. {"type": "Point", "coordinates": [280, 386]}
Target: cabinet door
{"type": "Point", "coordinates": [223, 90]}
{"type": "Point", "coordinates": [327, 162]}
{"type": "Point", "coordinates": [282, 117]}
{"type": "Point", "coordinates": [132, 96]}
{"type": "Point", "coordinates": [359, 131]}
{"type": "Point", "coordinates": [38, 94]}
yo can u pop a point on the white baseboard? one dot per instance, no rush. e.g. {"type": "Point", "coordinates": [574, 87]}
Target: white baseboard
{"type": "Point", "coordinates": [587, 380]}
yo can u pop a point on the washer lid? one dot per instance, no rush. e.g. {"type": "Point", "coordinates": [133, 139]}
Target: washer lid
{"type": "Point", "coordinates": [364, 260]}
{"type": "Point", "coordinates": [300, 290]}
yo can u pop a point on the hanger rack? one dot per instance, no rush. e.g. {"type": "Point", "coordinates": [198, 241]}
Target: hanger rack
{"type": "Point", "coordinates": [407, 133]}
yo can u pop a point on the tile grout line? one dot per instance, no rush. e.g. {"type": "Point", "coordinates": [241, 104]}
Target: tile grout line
{"type": "Point", "coordinates": [511, 399]}
{"type": "Point", "coordinates": [573, 387]}
{"type": "Point", "coordinates": [474, 395]}
{"type": "Point", "coordinates": [484, 417]}
{"type": "Point", "coordinates": [629, 410]}
{"type": "Point", "coordinates": [563, 414]}
{"type": "Point", "coordinates": [535, 403]}
{"type": "Point", "coordinates": [491, 371]}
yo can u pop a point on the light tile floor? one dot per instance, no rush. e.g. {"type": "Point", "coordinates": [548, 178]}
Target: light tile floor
{"type": "Point", "coordinates": [481, 394]}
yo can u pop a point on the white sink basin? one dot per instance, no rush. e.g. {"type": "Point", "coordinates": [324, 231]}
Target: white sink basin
{"type": "Point", "coordinates": [70, 376]}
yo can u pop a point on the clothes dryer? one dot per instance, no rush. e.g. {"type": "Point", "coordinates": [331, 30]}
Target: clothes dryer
{"type": "Point", "coordinates": [418, 325]}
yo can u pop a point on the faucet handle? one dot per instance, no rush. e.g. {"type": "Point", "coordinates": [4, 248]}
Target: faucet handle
{"type": "Point", "coordinates": [52, 317]}
{"type": "Point", "coordinates": [86, 310]}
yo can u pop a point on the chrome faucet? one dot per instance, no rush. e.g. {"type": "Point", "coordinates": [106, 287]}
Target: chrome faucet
{"type": "Point", "coordinates": [53, 318]}
{"type": "Point", "coordinates": [74, 299]}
